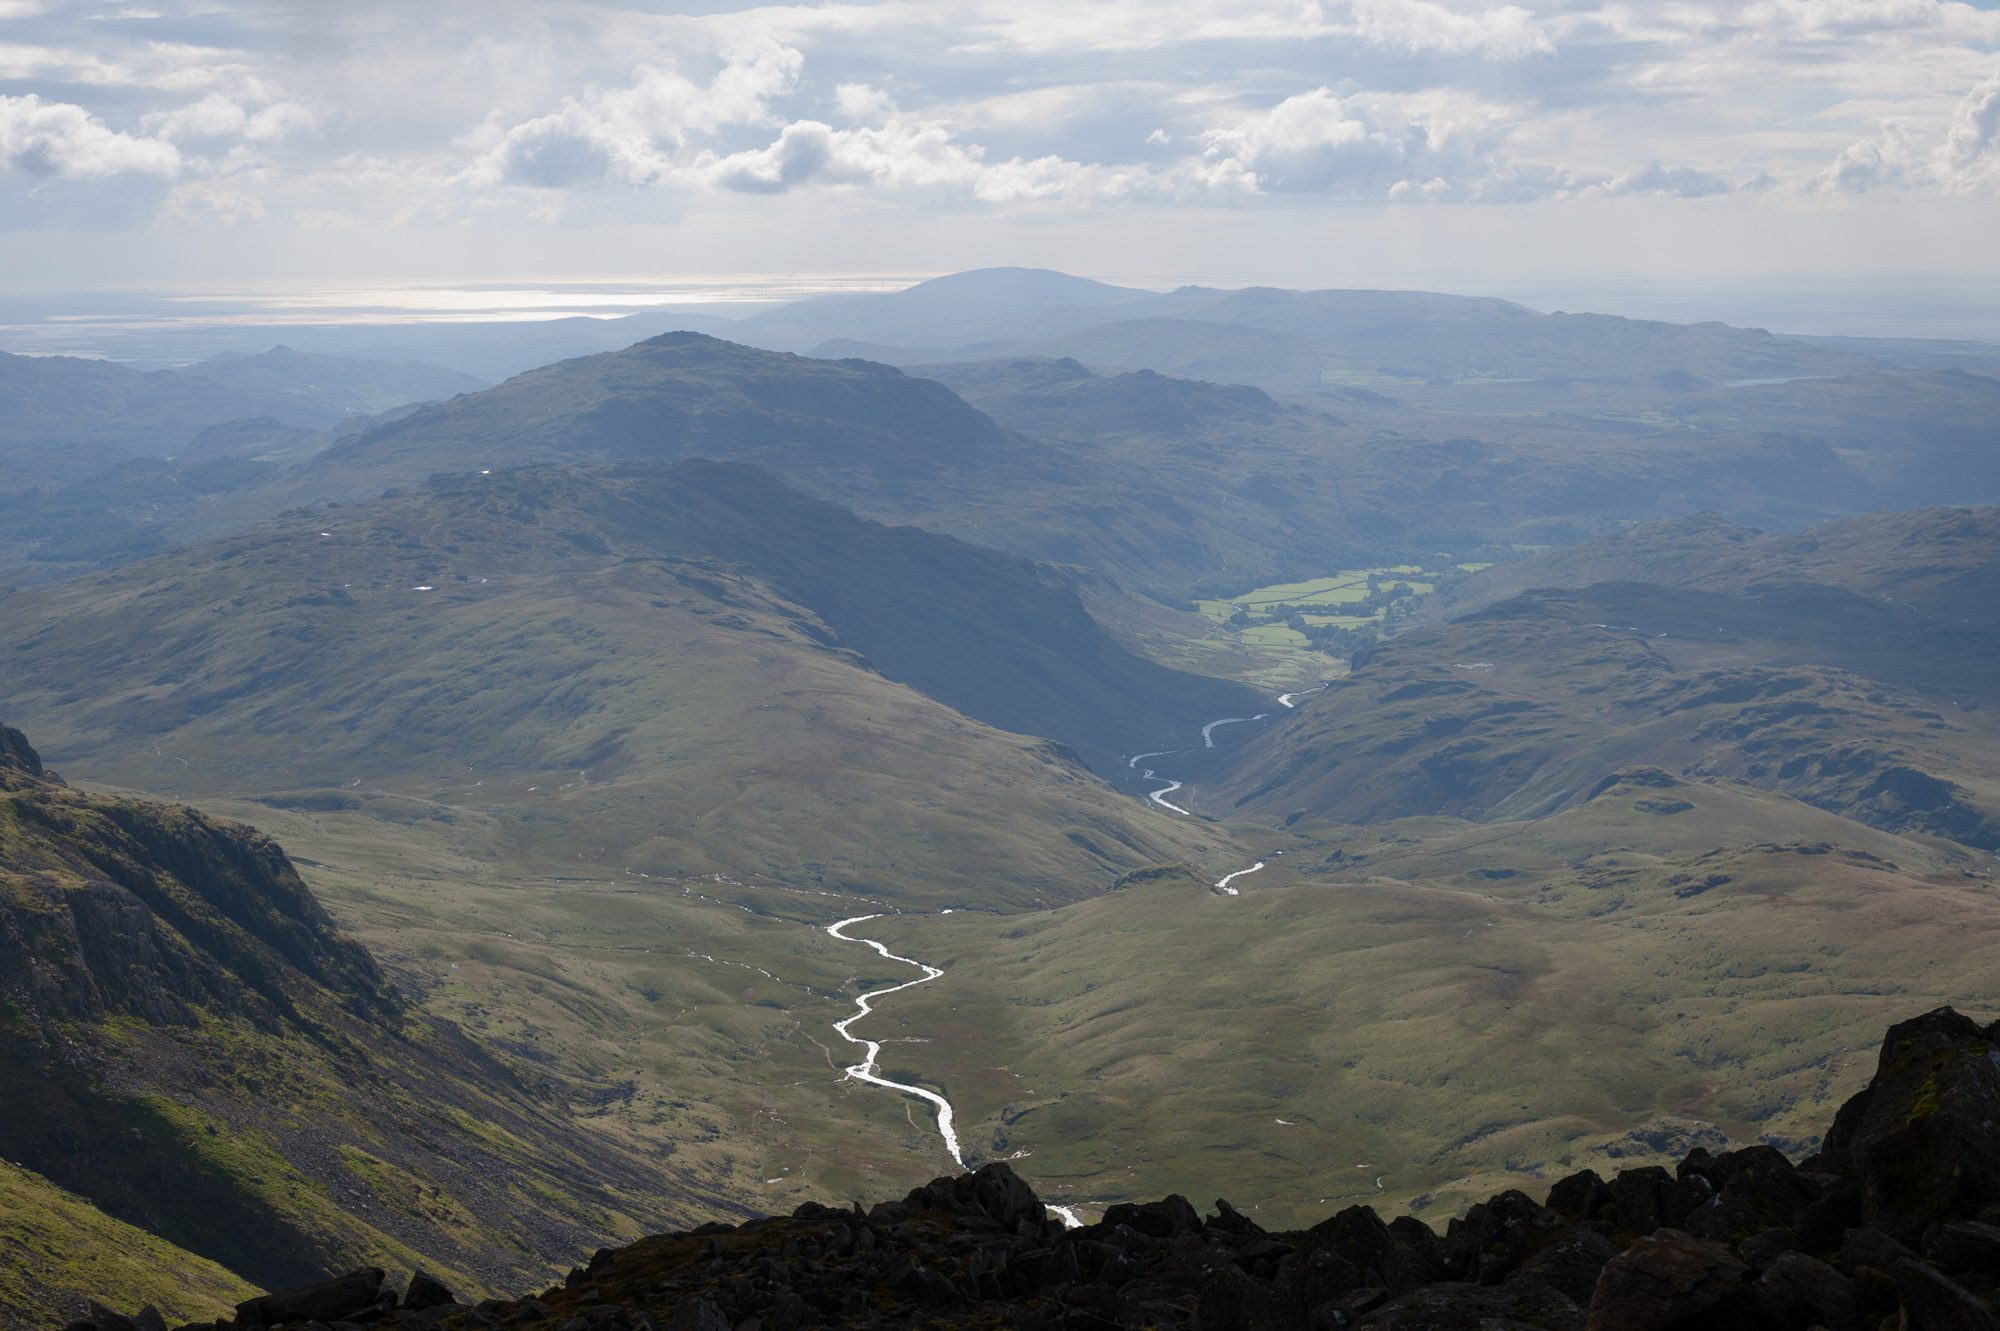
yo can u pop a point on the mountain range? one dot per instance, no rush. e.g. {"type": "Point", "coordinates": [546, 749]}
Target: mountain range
{"type": "Point", "coordinates": [596, 710]}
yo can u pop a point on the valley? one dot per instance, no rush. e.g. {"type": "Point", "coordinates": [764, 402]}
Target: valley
{"type": "Point", "coordinates": [757, 778]}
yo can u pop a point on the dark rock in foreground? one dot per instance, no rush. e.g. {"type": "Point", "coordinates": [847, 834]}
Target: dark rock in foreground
{"type": "Point", "coordinates": [1896, 1223]}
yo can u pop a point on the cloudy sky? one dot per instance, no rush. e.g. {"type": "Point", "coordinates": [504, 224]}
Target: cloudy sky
{"type": "Point", "coordinates": [1344, 138]}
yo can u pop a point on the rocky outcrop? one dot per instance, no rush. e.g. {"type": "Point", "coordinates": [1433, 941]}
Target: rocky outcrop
{"type": "Point", "coordinates": [1896, 1223]}
{"type": "Point", "coordinates": [189, 1044]}
{"type": "Point", "coordinates": [18, 754]}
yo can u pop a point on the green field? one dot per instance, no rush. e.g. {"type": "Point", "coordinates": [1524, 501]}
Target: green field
{"type": "Point", "coordinates": [1350, 600]}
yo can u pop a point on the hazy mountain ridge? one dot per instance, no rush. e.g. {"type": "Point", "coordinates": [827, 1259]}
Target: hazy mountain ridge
{"type": "Point", "coordinates": [1284, 340]}
{"type": "Point", "coordinates": [56, 402]}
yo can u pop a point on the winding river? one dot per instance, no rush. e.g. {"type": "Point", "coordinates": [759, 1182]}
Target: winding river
{"type": "Point", "coordinates": [866, 1071]}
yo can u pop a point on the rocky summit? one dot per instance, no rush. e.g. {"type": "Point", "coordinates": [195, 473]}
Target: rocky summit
{"type": "Point", "coordinates": [1895, 1223]}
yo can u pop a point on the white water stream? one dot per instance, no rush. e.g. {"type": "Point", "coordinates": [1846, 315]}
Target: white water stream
{"type": "Point", "coordinates": [866, 1071]}
{"type": "Point", "coordinates": [1222, 883]}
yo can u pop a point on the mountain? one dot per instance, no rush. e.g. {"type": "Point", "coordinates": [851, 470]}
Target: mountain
{"type": "Point", "coordinates": [193, 1048]}
{"type": "Point", "coordinates": [1941, 563]}
{"type": "Point", "coordinates": [357, 386]}
{"type": "Point", "coordinates": [682, 395]}
{"type": "Point", "coordinates": [1171, 485]}
{"type": "Point", "coordinates": [1284, 341]}
{"type": "Point", "coordinates": [982, 305]}
{"type": "Point", "coordinates": [61, 418]}
{"type": "Point", "coordinates": [1898, 596]}
{"type": "Point", "coordinates": [1522, 708]}
{"type": "Point", "coordinates": [498, 623]}
{"type": "Point", "coordinates": [1890, 1219]}
{"type": "Point", "coordinates": [1846, 664]}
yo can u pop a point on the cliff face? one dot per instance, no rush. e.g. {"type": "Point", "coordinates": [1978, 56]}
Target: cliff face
{"type": "Point", "coordinates": [1895, 1223]}
{"type": "Point", "coordinates": [149, 911]}
{"type": "Point", "coordinates": [190, 1045]}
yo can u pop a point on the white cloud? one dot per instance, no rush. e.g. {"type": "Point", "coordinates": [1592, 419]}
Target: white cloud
{"type": "Point", "coordinates": [153, 66]}
{"type": "Point", "coordinates": [631, 135]}
{"type": "Point", "coordinates": [1962, 159]}
{"type": "Point", "coordinates": [1970, 143]}
{"type": "Point", "coordinates": [925, 155]}
{"type": "Point", "coordinates": [216, 116]}
{"type": "Point", "coordinates": [1679, 182]}
{"type": "Point", "coordinates": [1361, 145]}
{"type": "Point", "coordinates": [860, 101]}
{"type": "Point", "coordinates": [1507, 32]}
{"type": "Point", "coordinates": [59, 139]}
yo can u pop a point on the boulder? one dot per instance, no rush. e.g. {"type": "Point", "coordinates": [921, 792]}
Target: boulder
{"type": "Point", "coordinates": [332, 1300]}
{"type": "Point", "coordinates": [1580, 1196]}
{"type": "Point", "coordinates": [1496, 1236]}
{"type": "Point", "coordinates": [1572, 1262]}
{"type": "Point", "coordinates": [1672, 1281]}
{"type": "Point", "coordinates": [1922, 1140]}
{"type": "Point", "coordinates": [1798, 1290]}
{"type": "Point", "coordinates": [1160, 1220]}
{"type": "Point", "coordinates": [1968, 1248]}
{"type": "Point", "coordinates": [1524, 1305]}
{"type": "Point", "coordinates": [426, 1291]}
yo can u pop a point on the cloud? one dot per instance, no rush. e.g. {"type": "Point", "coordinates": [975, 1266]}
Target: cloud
{"type": "Point", "coordinates": [631, 135]}
{"type": "Point", "coordinates": [1360, 145]}
{"type": "Point", "coordinates": [1971, 139]}
{"type": "Point", "coordinates": [860, 101]}
{"type": "Point", "coordinates": [1963, 159]}
{"type": "Point", "coordinates": [62, 140]}
{"type": "Point", "coordinates": [1507, 32]}
{"type": "Point", "coordinates": [926, 155]}
{"type": "Point", "coordinates": [219, 117]}
{"type": "Point", "coordinates": [1679, 182]}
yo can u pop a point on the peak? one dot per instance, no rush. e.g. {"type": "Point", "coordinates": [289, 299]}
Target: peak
{"type": "Point", "coordinates": [17, 754]}
{"type": "Point", "coordinates": [1031, 284]}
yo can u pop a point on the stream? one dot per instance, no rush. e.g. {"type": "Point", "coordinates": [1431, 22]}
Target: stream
{"type": "Point", "coordinates": [866, 1069]}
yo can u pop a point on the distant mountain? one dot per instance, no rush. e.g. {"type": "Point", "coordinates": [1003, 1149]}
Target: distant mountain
{"type": "Point", "coordinates": [1847, 666]}
{"type": "Point", "coordinates": [360, 387]}
{"type": "Point", "coordinates": [62, 418]}
{"type": "Point", "coordinates": [983, 305]}
{"type": "Point", "coordinates": [682, 395]}
{"type": "Point", "coordinates": [191, 1047]}
{"type": "Point", "coordinates": [1281, 340]}
{"type": "Point", "coordinates": [1906, 597]}
{"type": "Point", "coordinates": [709, 646]}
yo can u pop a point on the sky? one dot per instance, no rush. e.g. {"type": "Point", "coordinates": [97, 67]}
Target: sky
{"type": "Point", "coordinates": [1342, 141]}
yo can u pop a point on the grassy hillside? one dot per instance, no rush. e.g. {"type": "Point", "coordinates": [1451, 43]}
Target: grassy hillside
{"type": "Point", "coordinates": [645, 624]}
{"type": "Point", "coordinates": [59, 1252]}
{"type": "Point", "coordinates": [1418, 1012]}
{"type": "Point", "coordinates": [1524, 708]}
{"type": "Point", "coordinates": [1941, 563]}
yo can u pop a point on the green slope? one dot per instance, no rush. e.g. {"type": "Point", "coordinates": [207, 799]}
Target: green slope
{"type": "Point", "coordinates": [697, 636]}
{"type": "Point", "coordinates": [59, 1252]}
{"type": "Point", "coordinates": [1418, 1012]}
{"type": "Point", "coordinates": [1524, 707]}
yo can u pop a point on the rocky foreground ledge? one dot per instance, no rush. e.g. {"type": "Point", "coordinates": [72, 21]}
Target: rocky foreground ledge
{"type": "Point", "coordinates": [1894, 1224]}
